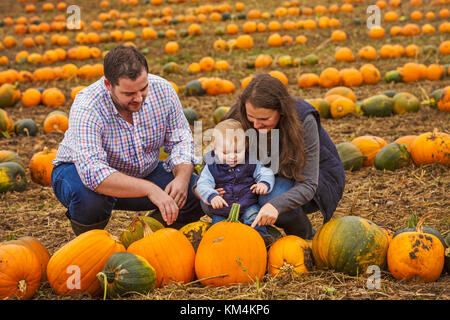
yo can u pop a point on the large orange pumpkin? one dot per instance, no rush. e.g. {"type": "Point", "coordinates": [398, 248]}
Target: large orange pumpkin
{"type": "Point", "coordinates": [444, 100]}
{"type": "Point", "coordinates": [416, 255]}
{"type": "Point", "coordinates": [20, 272]}
{"type": "Point", "coordinates": [230, 252]}
{"type": "Point", "coordinates": [73, 268]}
{"type": "Point", "coordinates": [169, 252]}
{"type": "Point", "coordinates": [369, 146]}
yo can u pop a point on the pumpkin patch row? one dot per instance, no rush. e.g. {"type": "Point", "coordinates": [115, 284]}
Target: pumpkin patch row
{"type": "Point", "coordinates": [365, 151]}
{"type": "Point", "coordinates": [150, 256]}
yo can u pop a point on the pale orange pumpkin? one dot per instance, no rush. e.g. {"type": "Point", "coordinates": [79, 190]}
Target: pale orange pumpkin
{"type": "Point", "coordinates": [41, 166]}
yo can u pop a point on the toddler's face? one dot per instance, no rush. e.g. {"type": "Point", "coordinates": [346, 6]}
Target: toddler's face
{"type": "Point", "coordinates": [230, 149]}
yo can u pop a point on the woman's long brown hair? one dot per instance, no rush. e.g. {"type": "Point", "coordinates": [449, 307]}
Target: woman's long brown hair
{"type": "Point", "coordinates": [265, 91]}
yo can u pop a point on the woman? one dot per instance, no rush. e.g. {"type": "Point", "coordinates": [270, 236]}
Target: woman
{"type": "Point", "coordinates": [311, 176]}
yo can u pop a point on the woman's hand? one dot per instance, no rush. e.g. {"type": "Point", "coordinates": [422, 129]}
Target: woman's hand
{"type": "Point", "coordinates": [268, 214]}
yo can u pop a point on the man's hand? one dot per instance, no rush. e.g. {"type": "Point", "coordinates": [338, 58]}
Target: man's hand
{"type": "Point", "coordinates": [268, 214]}
{"type": "Point", "coordinates": [218, 202]}
{"type": "Point", "coordinates": [259, 188]}
{"type": "Point", "coordinates": [178, 190]}
{"type": "Point", "coordinates": [166, 205]}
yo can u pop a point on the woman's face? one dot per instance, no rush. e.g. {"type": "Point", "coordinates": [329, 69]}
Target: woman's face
{"type": "Point", "coordinates": [262, 118]}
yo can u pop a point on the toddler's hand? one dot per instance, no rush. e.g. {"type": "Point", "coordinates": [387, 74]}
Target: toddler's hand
{"type": "Point", "coordinates": [218, 202]}
{"type": "Point", "coordinates": [259, 188]}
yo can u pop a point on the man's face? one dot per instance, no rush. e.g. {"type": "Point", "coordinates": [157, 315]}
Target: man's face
{"type": "Point", "coordinates": [129, 95]}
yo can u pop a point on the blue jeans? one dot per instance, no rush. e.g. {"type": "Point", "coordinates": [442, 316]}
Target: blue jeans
{"type": "Point", "coordinates": [247, 217]}
{"type": "Point", "coordinates": [293, 222]}
{"type": "Point", "coordinates": [88, 207]}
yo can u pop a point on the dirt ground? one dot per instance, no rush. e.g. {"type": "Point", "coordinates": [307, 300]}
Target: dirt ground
{"type": "Point", "coordinates": [386, 198]}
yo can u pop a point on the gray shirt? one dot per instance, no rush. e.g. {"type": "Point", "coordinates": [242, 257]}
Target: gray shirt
{"type": "Point", "coordinates": [302, 192]}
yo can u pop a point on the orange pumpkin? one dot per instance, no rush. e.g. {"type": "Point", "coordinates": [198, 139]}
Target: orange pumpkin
{"type": "Point", "coordinates": [342, 91]}
{"type": "Point", "coordinates": [290, 251]}
{"type": "Point", "coordinates": [370, 73]}
{"type": "Point", "coordinates": [72, 268]}
{"type": "Point", "coordinates": [407, 141]}
{"type": "Point", "coordinates": [369, 147]}
{"type": "Point", "coordinates": [431, 147]}
{"type": "Point", "coordinates": [31, 97]}
{"type": "Point", "coordinates": [308, 80]}
{"type": "Point", "coordinates": [344, 54]}
{"type": "Point", "coordinates": [230, 252]}
{"type": "Point", "coordinates": [41, 166]}
{"type": "Point", "coordinates": [171, 47]}
{"type": "Point", "coordinates": [56, 121]}
{"type": "Point", "coordinates": [20, 272]}
{"type": "Point", "coordinates": [280, 76]}
{"type": "Point", "coordinates": [159, 248]}
{"type": "Point", "coordinates": [38, 249]}
{"type": "Point", "coordinates": [416, 255]}
{"type": "Point", "coordinates": [351, 77]}
{"type": "Point", "coordinates": [444, 100]}
{"type": "Point", "coordinates": [329, 77]}
{"type": "Point", "coordinates": [244, 42]}
{"type": "Point", "coordinates": [341, 107]}
{"type": "Point", "coordinates": [53, 97]}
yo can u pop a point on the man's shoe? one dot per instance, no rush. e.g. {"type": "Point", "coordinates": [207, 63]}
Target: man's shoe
{"type": "Point", "coordinates": [156, 214]}
{"type": "Point", "coordinates": [79, 228]}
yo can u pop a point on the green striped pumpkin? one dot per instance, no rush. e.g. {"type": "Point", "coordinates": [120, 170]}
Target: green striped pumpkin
{"type": "Point", "coordinates": [12, 177]}
{"type": "Point", "coordinates": [125, 272]}
{"type": "Point", "coordinates": [350, 244]}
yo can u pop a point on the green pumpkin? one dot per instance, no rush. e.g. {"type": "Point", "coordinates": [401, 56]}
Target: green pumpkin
{"type": "Point", "coordinates": [392, 156]}
{"type": "Point", "coordinates": [350, 244]}
{"type": "Point", "coordinates": [125, 272]}
{"type": "Point", "coordinates": [250, 62]}
{"type": "Point", "coordinates": [226, 16]}
{"type": "Point", "coordinates": [393, 76]}
{"type": "Point", "coordinates": [310, 60]}
{"type": "Point", "coordinates": [9, 95]}
{"type": "Point", "coordinates": [405, 102]}
{"type": "Point", "coordinates": [12, 177]}
{"type": "Point", "coordinates": [194, 231]}
{"type": "Point", "coordinates": [435, 97]}
{"type": "Point", "coordinates": [136, 230]}
{"type": "Point", "coordinates": [26, 127]}
{"type": "Point", "coordinates": [6, 124]}
{"type": "Point", "coordinates": [194, 88]}
{"type": "Point", "coordinates": [351, 157]}
{"type": "Point", "coordinates": [389, 93]}
{"type": "Point", "coordinates": [321, 105]}
{"type": "Point", "coordinates": [377, 106]}
{"type": "Point", "coordinates": [190, 115]}
{"type": "Point", "coordinates": [171, 67]}
{"type": "Point", "coordinates": [219, 113]}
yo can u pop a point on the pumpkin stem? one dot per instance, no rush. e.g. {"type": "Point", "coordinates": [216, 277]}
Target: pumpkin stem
{"type": "Point", "coordinates": [105, 283]}
{"type": "Point", "coordinates": [419, 227]}
{"type": "Point", "coordinates": [234, 213]}
{"type": "Point", "coordinates": [22, 286]}
{"type": "Point", "coordinates": [146, 228]}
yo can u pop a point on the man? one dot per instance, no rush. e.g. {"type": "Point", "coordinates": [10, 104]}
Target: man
{"type": "Point", "coordinates": [108, 158]}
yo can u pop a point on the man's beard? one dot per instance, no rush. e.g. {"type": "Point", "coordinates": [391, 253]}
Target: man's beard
{"type": "Point", "coordinates": [119, 106]}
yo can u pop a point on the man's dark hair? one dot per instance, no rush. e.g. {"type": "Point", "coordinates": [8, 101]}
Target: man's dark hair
{"type": "Point", "coordinates": [124, 62]}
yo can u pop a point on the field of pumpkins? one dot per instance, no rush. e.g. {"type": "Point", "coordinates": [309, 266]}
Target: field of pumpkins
{"type": "Point", "coordinates": [384, 98]}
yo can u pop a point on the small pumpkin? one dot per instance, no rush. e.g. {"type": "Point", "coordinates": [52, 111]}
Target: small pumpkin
{"type": "Point", "coordinates": [125, 272]}
{"type": "Point", "coordinates": [342, 107]}
{"type": "Point", "coordinates": [351, 157]}
{"type": "Point", "coordinates": [41, 166]}
{"type": "Point", "coordinates": [53, 97]}
{"type": "Point", "coordinates": [431, 147]}
{"type": "Point", "coordinates": [135, 231]}
{"type": "Point", "coordinates": [377, 106]}
{"type": "Point", "coordinates": [230, 252]}
{"type": "Point", "coordinates": [194, 231]}
{"type": "Point", "coordinates": [31, 97]}
{"type": "Point", "coordinates": [416, 255]}
{"type": "Point", "coordinates": [290, 252]}
{"type": "Point", "coordinates": [350, 244]}
{"type": "Point", "coordinates": [405, 102]}
{"type": "Point", "coordinates": [20, 272]}
{"type": "Point", "coordinates": [444, 100]}
{"type": "Point", "coordinates": [9, 95]}
{"type": "Point", "coordinates": [56, 121]}
{"type": "Point", "coordinates": [392, 156]}
{"type": "Point", "coordinates": [169, 252]}
{"type": "Point", "coordinates": [26, 127]}
{"type": "Point", "coordinates": [219, 113]}
{"type": "Point", "coordinates": [10, 156]}
{"type": "Point", "coordinates": [190, 115]}
{"type": "Point", "coordinates": [72, 268]}
{"type": "Point", "coordinates": [369, 147]}
{"type": "Point", "coordinates": [194, 88]}
{"type": "Point", "coordinates": [342, 91]}
{"type": "Point", "coordinates": [321, 105]}
{"type": "Point", "coordinates": [12, 177]}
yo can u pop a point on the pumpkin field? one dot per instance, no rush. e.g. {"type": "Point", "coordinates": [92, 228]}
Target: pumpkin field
{"type": "Point", "coordinates": [383, 94]}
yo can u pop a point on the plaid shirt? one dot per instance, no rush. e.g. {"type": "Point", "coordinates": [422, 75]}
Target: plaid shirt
{"type": "Point", "coordinates": [100, 142]}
